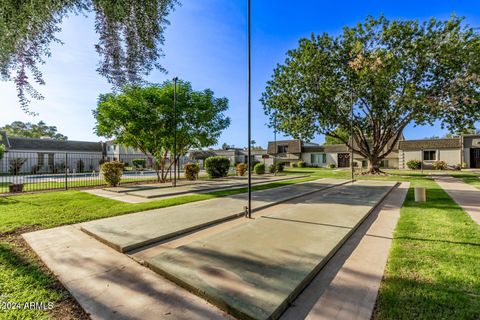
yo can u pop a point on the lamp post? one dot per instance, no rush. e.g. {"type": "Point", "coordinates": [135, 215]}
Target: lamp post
{"type": "Point", "coordinates": [249, 80]}
{"type": "Point", "coordinates": [175, 131]}
{"type": "Point", "coordinates": [351, 143]}
{"type": "Point", "coordinates": [275, 144]}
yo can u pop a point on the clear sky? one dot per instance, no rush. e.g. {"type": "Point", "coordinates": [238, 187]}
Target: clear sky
{"type": "Point", "coordinates": [206, 45]}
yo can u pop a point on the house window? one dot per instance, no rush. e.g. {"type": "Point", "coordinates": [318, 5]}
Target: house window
{"type": "Point", "coordinates": [364, 163]}
{"type": "Point", "coordinates": [282, 149]}
{"type": "Point", "coordinates": [429, 155]}
{"type": "Point", "coordinates": [41, 159]}
{"type": "Point", "coordinates": [317, 158]}
{"type": "Point", "coordinates": [384, 164]}
{"type": "Point", "coordinates": [114, 147]}
{"type": "Point", "coordinates": [324, 158]}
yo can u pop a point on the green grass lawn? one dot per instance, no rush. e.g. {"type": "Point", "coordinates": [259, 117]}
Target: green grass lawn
{"type": "Point", "coordinates": [432, 270]}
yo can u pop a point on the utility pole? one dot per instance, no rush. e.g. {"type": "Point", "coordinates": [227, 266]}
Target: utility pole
{"type": "Point", "coordinates": [249, 80]}
{"type": "Point", "coordinates": [351, 143]}
{"type": "Point", "coordinates": [174, 132]}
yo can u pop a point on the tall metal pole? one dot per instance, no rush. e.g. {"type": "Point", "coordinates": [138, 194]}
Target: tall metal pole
{"type": "Point", "coordinates": [351, 143]}
{"type": "Point", "coordinates": [174, 131]}
{"type": "Point", "coordinates": [249, 80]}
{"type": "Point", "coordinates": [275, 144]}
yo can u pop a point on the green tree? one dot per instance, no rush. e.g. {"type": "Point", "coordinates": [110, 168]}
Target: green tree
{"type": "Point", "coordinates": [225, 146]}
{"type": "Point", "coordinates": [130, 38]}
{"type": "Point", "coordinates": [2, 151]}
{"type": "Point", "coordinates": [143, 118]}
{"type": "Point", "coordinates": [329, 140]}
{"type": "Point", "coordinates": [32, 130]}
{"type": "Point", "coordinates": [392, 73]}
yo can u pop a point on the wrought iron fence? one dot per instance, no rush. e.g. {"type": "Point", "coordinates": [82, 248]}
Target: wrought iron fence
{"type": "Point", "coordinates": [35, 171]}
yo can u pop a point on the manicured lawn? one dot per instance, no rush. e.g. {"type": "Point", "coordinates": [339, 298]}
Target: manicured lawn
{"type": "Point", "coordinates": [433, 269]}
{"type": "Point", "coordinates": [23, 278]}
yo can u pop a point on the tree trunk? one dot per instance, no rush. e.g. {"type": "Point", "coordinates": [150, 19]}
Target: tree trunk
{"type": "Point", "coordinates": [374, 165]}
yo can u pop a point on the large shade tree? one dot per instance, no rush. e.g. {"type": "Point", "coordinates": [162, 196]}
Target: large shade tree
{"type": "Point", "coordinates": [143, 118]}
{"type": "Point", "coordinates": [129, 45]}
{"type": "Point", "coordinates": [392, 73]}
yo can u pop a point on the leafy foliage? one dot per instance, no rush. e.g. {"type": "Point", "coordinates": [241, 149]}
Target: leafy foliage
{"type": "Point", "coordinates": [143, 118]}
{"type": "Point", "coordinates": [259, 168]}
{"type": "Point", "coordinates": [15, 165]}
{"type": "Point", "coordinates": [302, 164]}
{"type": "Point", "coordinates": [343, 134]}
{"type": "Point", "coordinates": [440, 165]}
{"type": "Point", "coordinates": [139, 163]}
{"type": "Point", "coordinates": [130, 38]}
{"type": "Point", "coordinates": [191, 171]}
{"type": "Point", "coordinates": [32, 130]}
{"type": "Point", "coordinates": [217, 167]}
{"type": "Point", "coordinates": [241, 168]}
{"type": "Point", "coordinates": [2, 151]}
{"type": "Point", "coordinates": [112, 172]}
{"type": "Point", "coordinates": [391, 73]}
{"type": "Point", "coordinates": [414, 164]}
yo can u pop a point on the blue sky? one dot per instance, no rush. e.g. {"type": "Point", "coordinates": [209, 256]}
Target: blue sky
{"type": "Point", "coordinates": [206, 45]}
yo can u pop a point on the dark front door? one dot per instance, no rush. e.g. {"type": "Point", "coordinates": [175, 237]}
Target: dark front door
{"type": "Point", "coordinates": [475, 158]}
{"type": "Point", "coordinates": [344, 160]}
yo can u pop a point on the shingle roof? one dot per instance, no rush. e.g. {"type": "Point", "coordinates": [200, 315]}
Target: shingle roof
{"type": "Point", "coordinates": [294, 146]}
{"type": "Point", "coordinates": [451, 143]}
{"type": "Point", "coordinates": [53, 145]}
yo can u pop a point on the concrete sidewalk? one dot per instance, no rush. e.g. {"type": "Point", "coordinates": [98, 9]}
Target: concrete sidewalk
{"type": "Point", "coordinates": [255, 270]}
{"type": "Point", "coordinates": [131, 231]}
{"type": "Point", "coordinates": [465, 195]}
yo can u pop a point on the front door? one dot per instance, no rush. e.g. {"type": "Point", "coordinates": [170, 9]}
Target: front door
{"type": "Point", "coordinates": [475, 158]}
{"type": "Point", "coordinates": [344, 160]}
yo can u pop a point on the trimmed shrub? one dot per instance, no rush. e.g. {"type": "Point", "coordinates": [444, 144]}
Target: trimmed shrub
{"type": "Point", "coordinates": [414, 164]}
{"type": "Point", "coordinates": [139, 163]}
{"type": "Point", "coordinates": [241, 168]}
{"type": "Point", "coordinates": [440, 165]}
{"type": "Point", "coordinates": [112, 172]}
{"type": "Point", "coordinates": [217, 167]}
{"type": "Point", "coordinates": [259, 168]}
{"type": "Point", "coordinates": [254, 163]}
{"type": "Point", "coordinates": [191, 171]}
{"type": "Point", "coordinates": [280, 166]}
{"type": "Point", "coordinates": [302, 164]}
{"type": "Point", "coordinates": [293, 165]}
{"type": "Point", "coordinates": [272, 168]}
{"type": "Point", "coordinates": [332, 166]}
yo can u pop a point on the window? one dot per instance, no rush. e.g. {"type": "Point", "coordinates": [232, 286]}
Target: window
{"type": "Point", "coordinates": [317, 158]}
{"type": "Point", "coordinates": [429, 155]}
{"type": "Point", "coordinates": [384, 164]}
{"type": "Point", "coordinates": [282, 149]}
{"type": "Point", "coordinates": [324, 158]}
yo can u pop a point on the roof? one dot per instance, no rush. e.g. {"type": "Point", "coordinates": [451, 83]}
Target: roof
{"type": "Point", "coordinates": [53, 145]}
{"type": "Point", "coordinates": [450, 143]}
{"type": "Point", "coordinates": [294, 146]}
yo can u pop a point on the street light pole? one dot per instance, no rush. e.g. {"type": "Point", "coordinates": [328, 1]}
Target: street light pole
{"type": "Point", "coordinates": [275, 144]}
{"type": "Point", "coordinates": [351, 143]}
{"type": "Point", "coordinates": [174, 131]}
{"type": "Point", "coordinates": [249, 80]}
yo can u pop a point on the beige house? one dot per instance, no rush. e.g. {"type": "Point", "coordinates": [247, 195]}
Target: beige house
{"type": "Point", "coordinates": [455, 151]}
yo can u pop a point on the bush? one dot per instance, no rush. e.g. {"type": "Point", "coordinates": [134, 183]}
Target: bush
{"type": "Point", "coordinates": [280, 166]}
{"type": "Point", "coordinates": [217, 167]}
{"type": "Point", "coordinates": [2, 150]}
{"type": "Point", "coordinates": [332, 166]}
{"type": "Point", "coordinates": [139, 163]}
{"type": "Point", "coordinates": [302, 164]}
{"type": "Point", "coordinates": [254, 163]}
{"type": "Point", "coordinates": [272, 168]}
{"type": "Point", "coordinates": [259, 168]}
{"type": "Point", "coordinates": [241, 168]}
{"type": "Point", "coordinates": [440, 165]}
{"type": "Point", "coordinates": [191, 171]}
{"type": "Point", "coordinates": [293, 165]}
{"type": "Point", "coordinates": [414, 164]}
{"type": "Point", "coordinates": [112, 172]}
{"type": "Point", "coordinates": [15, 165]}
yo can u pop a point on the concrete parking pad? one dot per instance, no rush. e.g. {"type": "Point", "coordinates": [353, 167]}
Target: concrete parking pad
{"type": "Point", "coordinates": [465, 195]}
{"type": "Point", "coordinates": [128, 232]}
{"type": "Point", "coordinates": [255, 270]}
{"type": "Point", "coordinates": [207, 186]}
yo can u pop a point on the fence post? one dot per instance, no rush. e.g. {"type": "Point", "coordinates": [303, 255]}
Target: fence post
{"type": "Point", "coordinates": [66, 171]}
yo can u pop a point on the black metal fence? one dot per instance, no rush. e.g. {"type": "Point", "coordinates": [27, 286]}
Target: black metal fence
{"type": "Point", "coordinates": [35, 171]}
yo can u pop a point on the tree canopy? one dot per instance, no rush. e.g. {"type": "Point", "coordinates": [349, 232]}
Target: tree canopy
{"type": "Point", "coordinates": [329, 140]}
{"type": "Point", "coordinates": [32, 130]}
{"type": "Point", "coordinates": [392, 73]}
{"type": "Point", "coordinates": [143, 118]}
{"type": "Point", "coordinates": [129, 45]}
